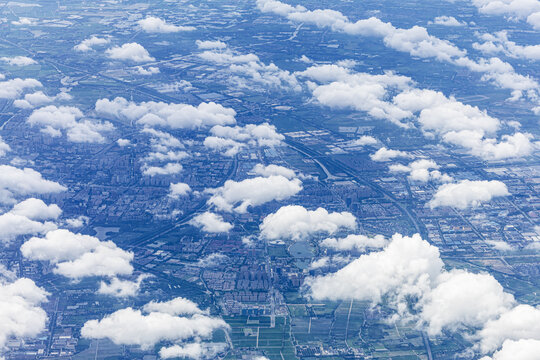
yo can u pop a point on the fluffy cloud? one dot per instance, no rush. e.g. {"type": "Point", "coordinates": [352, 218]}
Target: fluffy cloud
{"type": "Point", "coordinates": [363, 141]}
{"type": "Point", "coordinates": [523, 349]}
{"type": "Point", "coordinates": [192, 351]}
{"type": "Point", "coordinates": [39, 98]}
{"type": "Point", "coordinates": [212, 223]}
{"type": "Point", "coordinates": [521, 322]}
{"type": "Point", "coordinates": [178, 322]}
{"type": "Point", "coordinates": [272, 169]}
{"type": "Point", "coordinates": [175, 116]}
{"type": "Point", "coordinates": [12, 89]}
{"type": "Point", "coordinates": [499, 43]}
{"type": "Point", "coordinates": [152, 24]}
{"type": "Point", "coordinates": [296, 222]}
{"type": "Point", "coordinates": [168, 169]}
{"type": "Point", "coordinates": [19, 182]}
{"type": "Point", "coordinates": [447, 21]}
{"type": "Point", "coordinates": [253, 192]}
{"type": "Point", "coordinates": [18, 60]}
{"type": "Point", "coordinates": [208, 44]}
{"type": "Point", "coordinates": [12, 226]}
{"type": "Point", "coordinates": [415, 41]}
{"type": "Point", "coordinates": [130, 52]}
{"type": "Point", "coordinates": [520, 9]}
{"type": "Point", "coordinates": [355, 242]}
{"type": "Point", "coordinates": [405, 266]}
{"type": "Point", "coordinates": [20, 313]}
{"type": "Point", "coordinates": [384, 154]}
{"type": "Point", "coordinates": [248, 70]}
{"type": "Point", "coordinates": [36, 209]}
{"type": "Point", "coordinates": [121, 288]}
{"type": "Point", "coordinates": [179, 189]}
{"type": "Point", "coordinates": [468, 193]}
{"type": "Point", "coordinates": [54, 119]}
{"type": "Point", "coordinates": [88, 44]}
{"type": "Point", "coordinates": [77, 256]}
{"type": "Point", "coordinates": [4, 147]}
{"type": "Point", "coordinates": [409, 276]}
{"type": "Point", "coordinates": [230, 140]}
{"type": "Point", "coordinates": [422, 170]}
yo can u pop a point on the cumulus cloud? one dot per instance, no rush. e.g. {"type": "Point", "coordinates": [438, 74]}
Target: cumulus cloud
{"type": "Point", "coordinates": [12, 226]}
{"type": "Point", "coordinates": [54, 120]}
{"type": "Point", "coordinates": [230, 140]}
{"type": "Point", "coordinates": [415, 41]}
{"type": "Point", "coordinates": [499, 43]}
{"type": "Point", "coordinates": [248, 70]}
{"type": "Point", "coordinates": [88, 44]}
{"type": "Point", "coordinates": [177, 324]}
{"type": "Point", "coordinates": [152, 24]}
{"type": "Point", "coordinates": [363, 141]}
{"type": "Point", "coordinates": [121, 288]}
{"type": "Point", "coordinates": [39, 98]}
{"type": "Point", "coordinates": [523, 349]}
{"type": "Point", "coordinates": [409, 276]}
{"type": "Point", "coordinates": [168, 169]}
{"type": "Point", "coordinates": [384, 154]}
{"type": "Point", "coordinates": [239, 195]}
{"type": "Point", "coordinates": [4, 147]}
{"type": "Point", "coordinates": [447, 21]}
{"type": "Point", "coordinates": [179, 189]}
{"type": "Point", "coordinates": [36, 209]}
{"type": "Point", "coordinates": [14, 88]}
{"type": "Point", "coordinates": [296, 222]}
{"type": "Point", "coordinates": [209, 44]}
{"type": "Point", "coordinates": [272, 169]}
{"type": "Point", "coordinates": [355, 242]}
{"type": "Point", "coordinates": [513, 9]}
{"type": "Point", "coordinates": [76, 256]}
{"type": "Point", "coordinates": [18, 60]}
{"type": "Point", "coordinates": [212, 223]}
{"type": "Point", "coordinates": [468, 193]}
{"type": "Point", "coordinates": [422, 170]}
{"type": "Point", "coordinates": [175, 116]}
{"type": "Point", "coordinates": [20, 313]}
{"type": "Point", "coordinates": [16, 182]}
{"type": "Point", "coordinates": [130, 52]}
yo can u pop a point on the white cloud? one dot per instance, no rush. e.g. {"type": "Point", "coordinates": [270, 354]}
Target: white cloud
{"type": "Point", "coordinates": [272, 169]}
{"type": "Point", "coordinates": [123, 142]}
{"type": "Point", "coordinates": [355, 242]}
{"type": "Point", "coordinates": [168, 169]}
{"type": "Point", "coordinates": [468, 193]}
{"type": "Point", "coordinates": [19, 182]}
{"type": "Point", "coordinates": [522, 322]}
{"type": "Point", "coordinates": [179, 189]}
{"type": "Point", "coordinates": [212, 223]}
{"type": "Point", "coordinates": [88, 44]}
{"type": "Point", "coordinates": [510, 146]}
{"type": "Point", "coordinates": [447, 21]}
{"type": "Point", "coordinates": [523, 349]}
{"type": "Point", "coordinates": [36, 209]}
{"type": "Point", "coordinates": [39, 98]}
{"type": "Point", "coordinates": [296, 222]}
{"type": "Point", "coordinates": [249, 70]}
{"type": "Point", "coordinates": [12, 89]}
{"type": "Point", "coordinates": [499, 43]}
{"type": "Point", "coordinates": [152, 24]}
{"type": "Point", "coordinates": [18, 60]}
{"type": "Point", "coordinates": [422, 170]}
{"type": "Point", "coordinates": [4, 147]}
{"type": "Point", "coordinates": [500, 245]}
{"type": "Point", "coordinates": [230, 140]}
{"type": "Point", "coordinates": [192, 351]}
{"type": "Point", "coordinates": [157, 323]}
{"type": "Point", "coordinates": [20, 313]}
{"type": "Point", "coordinates": [415, 41]}
{"type": "Point", "coordinates": [253, 192]}
{"type": "Point", "coordinates": [23, 21]}
{"type": "Point", "coordinates": [54, 119]}
{"type": "Point", "coordinates": [175, 116]}
{"type": "Point", "coordinates": [150, 70]}
{"type": "Point", "coordinates": [208, 44]}
{"type": "Point", "coordinates": [513, 9]}
{"type": "Point", "coordinates": [121, 288]}
{"type": "Point", "coordinates": [12, 225]}
{"type": "Point", "coordinates": [131, 52]}
{"type": "Point", "coordinates": [384, 154]}
{"type": "Point", "coordinates": [363, 141]}
{"type": "Point", "coordinates": [77, 256]}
